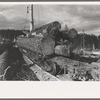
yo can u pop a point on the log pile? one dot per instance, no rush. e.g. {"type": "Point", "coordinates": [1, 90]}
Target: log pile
{"type": "Point", "coordinates": [51, 52]}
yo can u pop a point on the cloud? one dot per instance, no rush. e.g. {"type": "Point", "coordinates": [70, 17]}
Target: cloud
{"type": "Point", "coordinates": [80, 17]}
{"type": "Point", "coordinates": [85, 17]}
{"type": "Point", "coordinates": [12, 16]}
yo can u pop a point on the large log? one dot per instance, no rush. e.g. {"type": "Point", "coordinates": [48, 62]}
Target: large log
{"type": "Point", "coordinates": [39, 45]}
{"type": "Point", "coordinates": [48, 29]}
{"type": "Point", "coordinates": [47, 45]}
{"type": "Point", "coordinates": [96, 72]}
{"type": "Point", "coordinates": [73, 66]}
{"type": "Point", "coordinates": [62, 50]}
{"type": "Point", "coordinates": [67, 62]}
{"type": "Point", "coordinates": [3, 62]}
{"type": "Point", "coordinates": [30, 43]}
{"type": "Point", "coordinates": [41, 74]}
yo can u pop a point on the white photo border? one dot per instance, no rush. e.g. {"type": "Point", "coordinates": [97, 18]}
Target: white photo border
{"type": "Point", "coordinates": [30, 89]}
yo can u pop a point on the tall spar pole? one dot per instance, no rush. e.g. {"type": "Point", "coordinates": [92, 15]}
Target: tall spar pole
{"type": "Point", "coordinates": [32, 19]}
{"type": "Point", "coordinates": [83, 40]}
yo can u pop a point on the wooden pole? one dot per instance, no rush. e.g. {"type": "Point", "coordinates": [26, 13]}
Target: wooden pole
{"type": "Point", "coordinates": [83, 40]}
{"type": "Point", "coordinates": [32, 22]}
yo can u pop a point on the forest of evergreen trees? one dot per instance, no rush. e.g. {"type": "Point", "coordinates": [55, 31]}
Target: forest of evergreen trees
{"type": "Point", "coordinates": [89, 41]}
{"type": "Point", "coordinates": [10, 33]}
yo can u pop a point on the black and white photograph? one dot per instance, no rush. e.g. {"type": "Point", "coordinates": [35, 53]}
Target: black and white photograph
{"type": "Point", "coordinates": [49, 42]}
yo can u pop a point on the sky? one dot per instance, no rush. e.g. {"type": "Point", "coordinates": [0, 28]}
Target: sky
{"type": "Point", "coordinates": [80, 17]}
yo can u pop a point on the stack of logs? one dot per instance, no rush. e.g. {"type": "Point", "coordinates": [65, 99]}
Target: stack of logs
{"type": "Point", "coordinates": [40, 49]}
